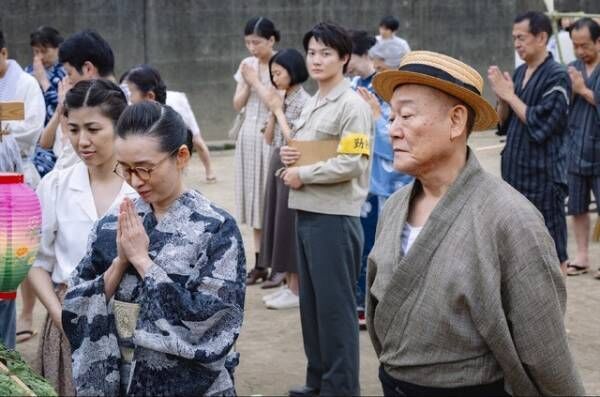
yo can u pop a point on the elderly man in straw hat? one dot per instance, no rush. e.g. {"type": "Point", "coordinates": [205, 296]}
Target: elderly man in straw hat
{"type": "Point", "coordinates": [465, 292]}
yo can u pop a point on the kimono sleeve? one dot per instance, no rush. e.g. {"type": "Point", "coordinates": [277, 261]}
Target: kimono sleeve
{"type": "Point", "coordinates": [534, 300]}
{"type": "Point", "coordinates": [88, 321]}
{"type": "Point", "coordinates": [596, 90]}
{"type": "Point", "coordinates": [198, 319]}
{"type": "Point", "coordinates": [353, 151]}
{"type": "Point", "coordinates": [47, 191]}
{"type": "Point", "coordinates": [550, 115]}
{"type": "Point", "coordinates": [372, 302]}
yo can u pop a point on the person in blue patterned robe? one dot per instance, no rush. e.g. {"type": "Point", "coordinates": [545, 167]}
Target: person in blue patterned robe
{"type": "Point", "coordinates": [189, 285]}
{"type": "Point", "coordinates": [533, 108]}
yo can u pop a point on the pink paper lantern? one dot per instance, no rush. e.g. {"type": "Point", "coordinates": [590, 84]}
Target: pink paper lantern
{"type": "Point", "coordinates": [20, 220]}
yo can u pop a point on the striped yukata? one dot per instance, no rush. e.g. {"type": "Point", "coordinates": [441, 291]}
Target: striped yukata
{"type": "Point", "coordinates": [584, 145]}
{"type": "Point", "coordinates": [533, 160]}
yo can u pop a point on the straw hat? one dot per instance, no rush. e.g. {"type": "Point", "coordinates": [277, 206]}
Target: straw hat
{"type": "Point", "coordinates": [443, 73]}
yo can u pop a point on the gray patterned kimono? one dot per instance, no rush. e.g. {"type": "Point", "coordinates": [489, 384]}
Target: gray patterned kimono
{"type": "Point", "coordinates": [191, 305]}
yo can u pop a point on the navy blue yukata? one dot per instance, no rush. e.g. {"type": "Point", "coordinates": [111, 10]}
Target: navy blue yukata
{"type": "Point", "coordinates": [584, 144]}
{"type": "Point", "coordinates": [191, 304]}
{"type": "Point", "coordinates": [534, 158]}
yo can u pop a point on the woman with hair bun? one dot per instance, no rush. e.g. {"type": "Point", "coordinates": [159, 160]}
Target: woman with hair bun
{"type": "Point", "coordinates": [144, 82]}
{"type": "Point", "coordinates": [252, 154]}
{"type": "Point", "coordinates": [156, 303]}
{"type": "Point", "coordinates": [72, 200]}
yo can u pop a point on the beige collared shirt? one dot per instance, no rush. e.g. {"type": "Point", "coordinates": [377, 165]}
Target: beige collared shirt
{"type": "Point", "coordinates": [339, 185]}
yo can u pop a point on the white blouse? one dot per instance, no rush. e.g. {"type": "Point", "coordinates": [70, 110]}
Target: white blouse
{"type": "Point", "coordinates": [64, 151]}
{"type": "Point", "coordinates": [180, 103]}
{"type": "Point", "coordinates": [68, 214]}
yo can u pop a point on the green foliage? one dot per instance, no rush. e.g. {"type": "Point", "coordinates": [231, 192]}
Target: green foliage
{"type": "Point", "coordinates": [18, 367]}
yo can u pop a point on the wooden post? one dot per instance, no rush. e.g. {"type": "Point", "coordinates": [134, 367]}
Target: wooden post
{"type": "Point", "coordinates": [10, 111]}
{"type": "Point", "coordinates": [596, 233]}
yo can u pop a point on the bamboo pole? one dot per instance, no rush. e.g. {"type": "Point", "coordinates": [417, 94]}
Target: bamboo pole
{"type": "Point", "coordinates": [555, 16]}
{"type": "Point", "coordinates": [19, 382]}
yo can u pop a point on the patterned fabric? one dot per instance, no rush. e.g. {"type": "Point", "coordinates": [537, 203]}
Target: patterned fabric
{"type": "Point", "coordinates": [252, 155]}
{"type": "Point", "coordinates": [191, 305]}
{"type": "Point", "coordinates": [293, 104]}
{"type": "Point", "coordinates": [53, 357]}
{"type": "Point", "coordinates": [384, 180]}
{"type": "Point", "coordinates": [584, 127]}
{"type": "Point", "coordinates": [534, 158]}
{"type": "Point", "coordinates": [10, 157]}
{"type": "Point", "coordinates": [55, 74]}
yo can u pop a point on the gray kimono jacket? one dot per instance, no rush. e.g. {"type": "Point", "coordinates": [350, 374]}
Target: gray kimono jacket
{"type": "Point", "coordinates": [478, 298]}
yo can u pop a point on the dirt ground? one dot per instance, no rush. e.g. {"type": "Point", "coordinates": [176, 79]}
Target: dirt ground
{"type": "Point", "coordinates": [272, 356]}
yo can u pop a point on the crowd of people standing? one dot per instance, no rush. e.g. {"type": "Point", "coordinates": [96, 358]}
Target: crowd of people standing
{"type": "Point", "coordinates": [144, 279]}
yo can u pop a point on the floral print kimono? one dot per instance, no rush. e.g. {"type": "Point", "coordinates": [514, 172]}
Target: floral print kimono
{"type": "Point", "coordinates": [191, 304]}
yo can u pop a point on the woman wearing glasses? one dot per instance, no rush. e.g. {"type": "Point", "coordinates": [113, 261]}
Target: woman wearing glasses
{"type": "Point", "coordinates": [157, 302]}
{"type": "Point", "coordinates": [72, 200]}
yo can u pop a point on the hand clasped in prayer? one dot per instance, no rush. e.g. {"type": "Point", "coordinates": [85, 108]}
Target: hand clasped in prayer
{"type": "Point", "coordinates": [132, 240]}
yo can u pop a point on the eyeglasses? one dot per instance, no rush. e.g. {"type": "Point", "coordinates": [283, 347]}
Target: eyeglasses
{"type": "Point", "coordinates": [143, 173]}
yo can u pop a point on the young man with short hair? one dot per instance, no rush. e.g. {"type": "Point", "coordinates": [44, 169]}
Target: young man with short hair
{"type": "Point", "coordinates": [388, 26]}
{"type": "Point", "coordinates": [85, 55]}
{"type": "Point", "coordinates": [584, 137]}
{"type": "Point", "coordinates": [328, 196]}
{"type": "Point", "coordinates": [533, 108]}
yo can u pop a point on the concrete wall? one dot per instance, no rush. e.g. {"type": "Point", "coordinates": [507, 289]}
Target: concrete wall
{"type": "Point", "coordinates": [197, 44]}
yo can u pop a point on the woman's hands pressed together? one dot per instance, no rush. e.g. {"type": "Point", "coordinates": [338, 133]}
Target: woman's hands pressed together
{"type": "Point", "coordinates": [132, 240]}
{"type": "Point", "coordinates": [250, 74]}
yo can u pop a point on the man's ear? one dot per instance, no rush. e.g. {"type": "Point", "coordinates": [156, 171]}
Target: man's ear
{"type": "Point", "coordinates": [346, 58]}
{"type": "Point", "coordinates": [89, 70]}
{"type": "Point", "coordinates": [543, 36]}
{"type": "Point", "coordinates": [151, 95]}
{"type": "Point", "coordinates": [459, 116]}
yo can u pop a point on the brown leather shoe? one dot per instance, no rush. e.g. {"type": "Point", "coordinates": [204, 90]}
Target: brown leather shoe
{"type": "Point", "coordinates": [255, 275]}
{"type": "Point", "coordinates": [275, 280]}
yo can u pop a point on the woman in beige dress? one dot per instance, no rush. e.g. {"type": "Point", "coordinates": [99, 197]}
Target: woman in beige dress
{"type": "Point", "coordinates": [252, 154]}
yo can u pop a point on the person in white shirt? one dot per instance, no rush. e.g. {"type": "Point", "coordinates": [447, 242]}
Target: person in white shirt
{"type": "Point", "coordinates": [388, 26]}
{"type": "Point", "coordinates": [143, 82]}
{"type": "Point", "coordinates": [85, 55]}
{"type": "Point", "coordinates": [72, 200]}
{"type": "Point", "coordinates": [17, 85]}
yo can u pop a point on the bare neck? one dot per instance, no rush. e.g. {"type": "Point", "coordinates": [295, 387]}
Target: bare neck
{"type": "Point", "coordinates": [325, 86]}
{"type": "Point", "coordinates": [104, 172]}
{"type": "Point", "coordinates": [161, 208]}
{"type": "Point", "coordinates": [537, 61]}
{"type": "Point", "coordinates": [592, 65]}
{"type": "Point", "coordinates": [438, 179]}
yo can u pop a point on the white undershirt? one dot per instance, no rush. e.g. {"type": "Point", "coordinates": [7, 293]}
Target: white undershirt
{"type": "Point", "coordinates": [409, 235]}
